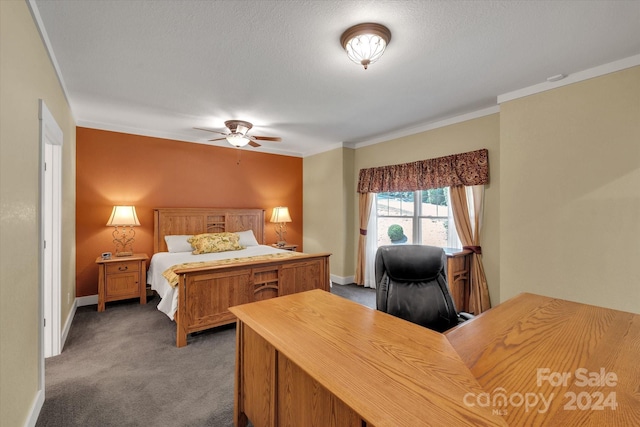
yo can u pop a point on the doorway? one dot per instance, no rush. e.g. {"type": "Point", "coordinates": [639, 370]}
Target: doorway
{"type": "Point", "coordinates": [51, 138]}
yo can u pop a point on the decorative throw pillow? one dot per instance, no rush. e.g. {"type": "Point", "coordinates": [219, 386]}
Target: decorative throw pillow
{"type": "Point", "coordinates": [215, 242]}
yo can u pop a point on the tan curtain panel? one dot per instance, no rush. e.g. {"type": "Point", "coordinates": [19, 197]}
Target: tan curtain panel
{"type": "Point", "coordinates": [364, 210]}
{"type": "Point", "coordinates": [470, 168]}
{"type": "Point", "coordinates": [469, 234]}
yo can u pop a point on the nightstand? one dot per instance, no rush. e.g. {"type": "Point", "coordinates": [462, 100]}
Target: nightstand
{"type": "Point", "coordinates": [287, 247]}
{"type": "Point", "coordinates": [122, 278]}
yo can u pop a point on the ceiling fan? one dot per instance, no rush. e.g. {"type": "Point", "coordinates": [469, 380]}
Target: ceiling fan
{"type": "Point", "coordinates": [237, 135]}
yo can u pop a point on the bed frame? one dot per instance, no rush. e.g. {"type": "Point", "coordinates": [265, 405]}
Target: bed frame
{"type": "Point", "coordinates": [206, 293]}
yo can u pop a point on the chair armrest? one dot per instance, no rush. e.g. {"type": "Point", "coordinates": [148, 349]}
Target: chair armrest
{"type": "Point", "coordinates": [466, 316]}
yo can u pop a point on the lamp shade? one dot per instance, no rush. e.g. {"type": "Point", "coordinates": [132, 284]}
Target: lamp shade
{"type": "Point", "coordinates": [123, 215]}
{"type": "Point", "coordinates": [280, 214]}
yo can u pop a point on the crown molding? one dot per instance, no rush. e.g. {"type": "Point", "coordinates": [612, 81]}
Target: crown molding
{"type": "Point", "coordinates": [35, 13]}
{"type": "Point", "coordinates": [324, 149]}
{"type": "Point", "coordinates": [424, 127]}
{"type": "Point", "coordinates": [579, 76]}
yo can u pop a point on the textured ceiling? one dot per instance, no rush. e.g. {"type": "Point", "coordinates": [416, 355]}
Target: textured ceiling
{"type": "Point", "coordinates": [160, 68]}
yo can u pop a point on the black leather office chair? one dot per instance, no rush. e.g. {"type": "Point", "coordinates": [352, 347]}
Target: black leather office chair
{"type": "Point", "coordinates": [411, 283]}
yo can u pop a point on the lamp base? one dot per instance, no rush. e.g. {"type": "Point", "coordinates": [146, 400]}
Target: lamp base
{"type": "Point", "coordinates": [124, 254]}
{"type": "Point", "coordinates": [281, 243]}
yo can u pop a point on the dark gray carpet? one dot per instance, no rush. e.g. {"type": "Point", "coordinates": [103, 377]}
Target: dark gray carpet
{"type": "Point", "coordinates": [364, 296]}
{"type": "Point", "coordinates": [121, 368]}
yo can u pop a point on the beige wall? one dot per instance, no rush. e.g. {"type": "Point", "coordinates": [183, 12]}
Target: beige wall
{"type": "Point", "coordinates": [328, 210]}
{"type": "Point", "coordinates": [26, 75]}
{"type": "Point", "coordinates": [570, 192]}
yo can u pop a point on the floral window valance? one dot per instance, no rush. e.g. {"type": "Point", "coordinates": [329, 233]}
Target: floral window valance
{"type": "Point", "coordinates": [470, 168]}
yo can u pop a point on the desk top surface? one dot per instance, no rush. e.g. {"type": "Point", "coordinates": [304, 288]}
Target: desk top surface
{"type": "Point", "coordinates": [391, 372]}
{"type": "Point", "coordinates": [555, 362]}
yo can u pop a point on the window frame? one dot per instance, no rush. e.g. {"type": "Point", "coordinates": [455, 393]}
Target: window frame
{"type": "Point", "coordinates": [417, 215]}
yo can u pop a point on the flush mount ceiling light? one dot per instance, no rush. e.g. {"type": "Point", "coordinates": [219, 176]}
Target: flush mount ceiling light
{"type": "Point", "coordinates": [365, 43]}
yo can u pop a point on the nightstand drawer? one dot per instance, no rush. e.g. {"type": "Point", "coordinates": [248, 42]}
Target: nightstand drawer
{"type": "Point", "coordinates": [123, 267]}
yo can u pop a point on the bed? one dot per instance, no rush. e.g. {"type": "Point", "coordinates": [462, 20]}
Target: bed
{"type": "Point", "coordinates": [206, 285]}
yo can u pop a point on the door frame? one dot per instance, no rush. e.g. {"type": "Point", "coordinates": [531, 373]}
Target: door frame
{"type": "Point", "coordinates": [51, 138]}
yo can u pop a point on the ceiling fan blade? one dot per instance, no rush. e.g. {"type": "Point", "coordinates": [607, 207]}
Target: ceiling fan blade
{"type": "Point", "coordinates": [211, 130]}
{"type": "Point", "coordinates": [239, 128]}
{"type": "Point", "coordinates": [268, 138]}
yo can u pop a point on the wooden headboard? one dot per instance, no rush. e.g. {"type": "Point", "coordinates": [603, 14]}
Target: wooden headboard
{"type": "Point", "coordinates": [172, 221]}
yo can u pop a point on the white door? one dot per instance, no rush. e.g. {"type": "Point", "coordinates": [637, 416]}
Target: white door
{"type": "Point", "coordinates": [51, 188]}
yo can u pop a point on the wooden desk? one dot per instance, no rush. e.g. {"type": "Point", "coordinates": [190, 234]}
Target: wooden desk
{"type": "Point", "coordinates": [535, 346]}
{"type": "Point", "coordinates": [314, 358]}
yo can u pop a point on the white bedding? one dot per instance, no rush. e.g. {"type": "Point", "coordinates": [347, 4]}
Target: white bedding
{"type": "Point", "coordinates": [163, 260]}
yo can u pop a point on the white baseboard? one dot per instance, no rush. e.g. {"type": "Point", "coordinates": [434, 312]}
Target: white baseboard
{"type": "Point", "coordinates": [342, 280]}
{"type": "Point", "coordinates": [34, 413]}
{"type": "Point", "coordinates": [88, 300]}
{"type": "Point", "coordinates": [67, 324]}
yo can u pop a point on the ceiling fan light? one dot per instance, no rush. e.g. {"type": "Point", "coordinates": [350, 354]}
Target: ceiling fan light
{"type": "Point", "coordinates": [365, 43]}
{"type": "Point", "coordinates": [237, 140]}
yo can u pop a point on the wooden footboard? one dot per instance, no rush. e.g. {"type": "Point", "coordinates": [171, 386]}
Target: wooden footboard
{"type": "Point", "coordinates": [206, 293]}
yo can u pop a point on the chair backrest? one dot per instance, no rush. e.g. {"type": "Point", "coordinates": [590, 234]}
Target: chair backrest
{"type": "Point", "coordinates": [411, 283]}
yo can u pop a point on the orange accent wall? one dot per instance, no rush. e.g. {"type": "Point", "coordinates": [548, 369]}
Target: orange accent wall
{"type": "Point", "coordinates": [121, 169]}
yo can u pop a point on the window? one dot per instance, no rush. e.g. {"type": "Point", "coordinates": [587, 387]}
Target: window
{"type": "Point", "coordinates": [415, 217]}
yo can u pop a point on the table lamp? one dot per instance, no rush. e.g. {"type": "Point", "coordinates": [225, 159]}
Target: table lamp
{"type": "Point", "coordinates": [281, 216]}
{"type": "Point", "coordinates": [126, 218]}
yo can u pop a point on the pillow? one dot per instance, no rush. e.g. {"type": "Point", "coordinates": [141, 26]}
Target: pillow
{"type": "Point", "coordinates": [178, 243]}
{"type": "Point", "coordinates": [214, 242]}
{"type": "Point", "coordinates": [247, 238]}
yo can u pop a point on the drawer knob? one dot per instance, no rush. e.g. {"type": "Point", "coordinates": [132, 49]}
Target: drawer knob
{"type": "Point", "coordinates": [125, 268]}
